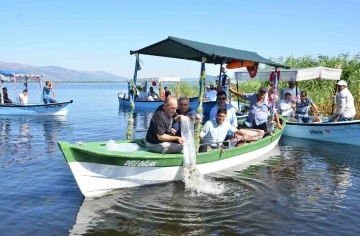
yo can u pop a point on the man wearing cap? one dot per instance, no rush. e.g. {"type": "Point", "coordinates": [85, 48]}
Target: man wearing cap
{"type": "Point", "coordinates": [345, 104]}
{"type": "Point", "coordinates": [292, 89]}
{"type": "Point", "coordinates": [259, 110]}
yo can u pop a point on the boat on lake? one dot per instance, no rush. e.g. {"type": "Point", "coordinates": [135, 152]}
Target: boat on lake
{"type": "Point", "coordinates": [37, 109]}
{"type": "Point", "coordinates": [347, 132]}
{"type": "Point", "coordinates": [99, 169]}
{"type": "Point", "coordinates": [125, 101]}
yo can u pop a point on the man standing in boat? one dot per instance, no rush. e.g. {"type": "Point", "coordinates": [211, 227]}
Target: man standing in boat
{"type": "Point", "coordinates": [292, 89]}
{"type": "Point", "coordinates": [46, 93]}
{"type": "Point", "coordinates": [259, 110]}
{"type": "Point", "coordinates": [345, 110]}
{"type": "Point", "coordinates": [160, 137]}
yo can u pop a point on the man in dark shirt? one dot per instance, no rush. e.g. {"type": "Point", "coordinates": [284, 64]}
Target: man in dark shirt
{"type": "Point", "coordinates": [160, 136]}
{"type": "Point", "coordinates": [6, 96]}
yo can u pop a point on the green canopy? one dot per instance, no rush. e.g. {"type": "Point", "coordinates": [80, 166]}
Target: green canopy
{"type": "Point", "coordinates": [191, 50]}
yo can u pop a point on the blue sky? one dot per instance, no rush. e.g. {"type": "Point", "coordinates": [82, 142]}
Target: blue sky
{"type": "Point", "coordinates": [98, 35]}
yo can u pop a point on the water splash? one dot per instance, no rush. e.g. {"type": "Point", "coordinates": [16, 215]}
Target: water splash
{"type": "Point", "coordinates": [194, 181]}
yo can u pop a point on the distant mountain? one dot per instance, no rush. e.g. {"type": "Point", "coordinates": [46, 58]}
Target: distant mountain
{"type": "Point", "coordinates": [59, 74]}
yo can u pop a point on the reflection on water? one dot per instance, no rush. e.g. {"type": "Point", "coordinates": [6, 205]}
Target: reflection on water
{"type": "Point", "coordinates": [17, 134]}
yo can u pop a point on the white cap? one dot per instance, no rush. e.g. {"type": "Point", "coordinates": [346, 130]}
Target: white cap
{"type": "Point", "coordinates": [207, 86]}
{"type": "Point", "coordinates": [342, 82]}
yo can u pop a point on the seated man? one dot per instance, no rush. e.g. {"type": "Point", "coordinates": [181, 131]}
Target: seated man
{"type": "Point", "coordinates": [6, 98]}
{"type": "Point", "coordinates": [23, 97]}
{"type": "Point", "coordinates": [159, 137]}
{"type": "Point", "coordinates": [231, 111]}
{"type": "Point", "coordinates": [143, 94]}
{"type": "Point", "coordinates": [302, 108]}
{"type": "Point", "coordinates": [184, 109]}
{"type": "Point", "coordinates": [214, 131]}
{"type": "Point", "coordinates": [153, 94]}
{"type": "Point", "coordinates": [46, 93]}
{"type": "Point", "coordinates": [259, 110]}
{"type": "Point", "coordinates": [287, 106]}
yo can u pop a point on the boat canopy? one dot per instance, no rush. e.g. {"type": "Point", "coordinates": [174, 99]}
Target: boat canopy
{"type": "Point", "coordinates": [297, 74]}
{"type": "Point", "coordinates": [10, 76]}
{"type": "Point", "coordinates": [194, 51]}
{"type": "Point", "coordinates": [157, 79]}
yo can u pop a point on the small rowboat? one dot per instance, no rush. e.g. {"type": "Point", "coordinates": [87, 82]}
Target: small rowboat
{"type": "Point", "coordinates": [40, 109]}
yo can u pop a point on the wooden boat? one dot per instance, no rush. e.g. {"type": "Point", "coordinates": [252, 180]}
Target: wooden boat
{"type": "Point", "coordinates": [125, 101]}
{"type": "Point", "coordinates": [98, 170]}
{"type": "Point", "coordinates": [40, 109]}
{"type": "Point", "coordinates": [151, 105]}
{"type": "Point", "coordinates": [52, 109]}
{"type": "Point", "coordinates": [340, 132]}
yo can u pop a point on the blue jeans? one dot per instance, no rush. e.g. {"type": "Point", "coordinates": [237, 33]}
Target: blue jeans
{"type": "Point", "coordinates": [341, 118]}
{"type": "Point", "coordinates": [49, 100]}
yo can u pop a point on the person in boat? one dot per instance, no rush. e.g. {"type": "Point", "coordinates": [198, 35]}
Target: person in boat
{"type": "Point", "coordinates": [23, 97]}
{"type": "Point", "coordinates": [160, 137]}
{"type": "Point", "coordinates": [345, 110]}
{"type": "Point", "coordinates": [184, 109]}
{"type": "Point", "coordinates": [259, 110]}
{"type": "Point", "coordinates": [231, 111]}
{"type": "Point", "coordinates": [287, 106]}
{"type": "Point", "coordinates": [153, 94]}
{"type": "Point", "coordinates": [302, 108]}
{"type": "Point", "coordinates": [5, 95]}
{"type": "Point", "coordinates": [214, 132]}
{"type": "Point", "coordinates": [292, 89]}
{"type": "Point", "coordinates": [166, 93]}
{"type": "Point", "coordinates": [46, 93]}
{"type": "Point", "coordinates": [210, 94]}
{"type": "Point", "coordinates": [143, 94]}
{"type": "Point", "coordinates": [225, 82]}
{"type": "Point", "coordinates": [153, 97]}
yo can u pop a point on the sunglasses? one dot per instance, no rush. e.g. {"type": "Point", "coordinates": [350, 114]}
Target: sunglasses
{"type": "Point", "coordinates": [221, 98]}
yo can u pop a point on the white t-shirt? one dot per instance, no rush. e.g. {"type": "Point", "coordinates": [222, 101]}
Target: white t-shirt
{"type": "Point", "coordinates": [210, 96]}
{"type": "Point", "coordinates": [345, 104]}
{"type": "Point", "coordinates": [143, 95]}
{"type": "Point", "coordinates": [286, 108]}
{"type": "Point", "coordinates": [23, 98]}
{"type": "Point", "coordinates": [212, 132]}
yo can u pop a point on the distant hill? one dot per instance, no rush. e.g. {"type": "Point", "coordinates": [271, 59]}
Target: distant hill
{"type": "Point", "coordinates": [59, 74]}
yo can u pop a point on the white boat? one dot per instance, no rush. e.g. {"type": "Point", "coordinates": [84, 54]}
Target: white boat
{"type": "Point", "coordinates": [51, 109]}
{"type": "Point", "coordinates": [340, 132]}
{"type": "Point", "coordinates": [125, 101]}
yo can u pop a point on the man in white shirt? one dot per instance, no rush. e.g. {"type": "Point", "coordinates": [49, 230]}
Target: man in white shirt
{"type": "Point", "coordinates": [23, 97]}
{"type": "Point", "coordinates": [287, 106]}
{"type": "Point", "coordinates": [210, 94]}
{"type": "Point", "coordinates": [215, 131]}
{"type": "Point", "coordinates": [292, 89]}
{"type": "Point", "coordinates": [143, 94]}
{"type": "Point", "coordinates": [345, 110]}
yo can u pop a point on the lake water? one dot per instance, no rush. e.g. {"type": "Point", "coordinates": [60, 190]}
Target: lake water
{"type": "Point", "coordinates": [301, 188]}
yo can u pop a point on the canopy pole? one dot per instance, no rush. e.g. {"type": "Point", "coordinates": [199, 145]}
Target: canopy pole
{"type": "Point", "coordinates": [161, 97]}
{"type": "Point", "coordinates": [200, 108]}
{"type": "Point", "coordinates": [238, 98]}
{"type": "Point", "coordinates": [273, 95]}
{"type": "Point", "coordinates": [334, 100]}
{"type": "Point", "coordinates": [1, 92]}
{"type": "Point", "coordinates": [219, 84]}
{"type": "Point", "coordinates": [130, 133]}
